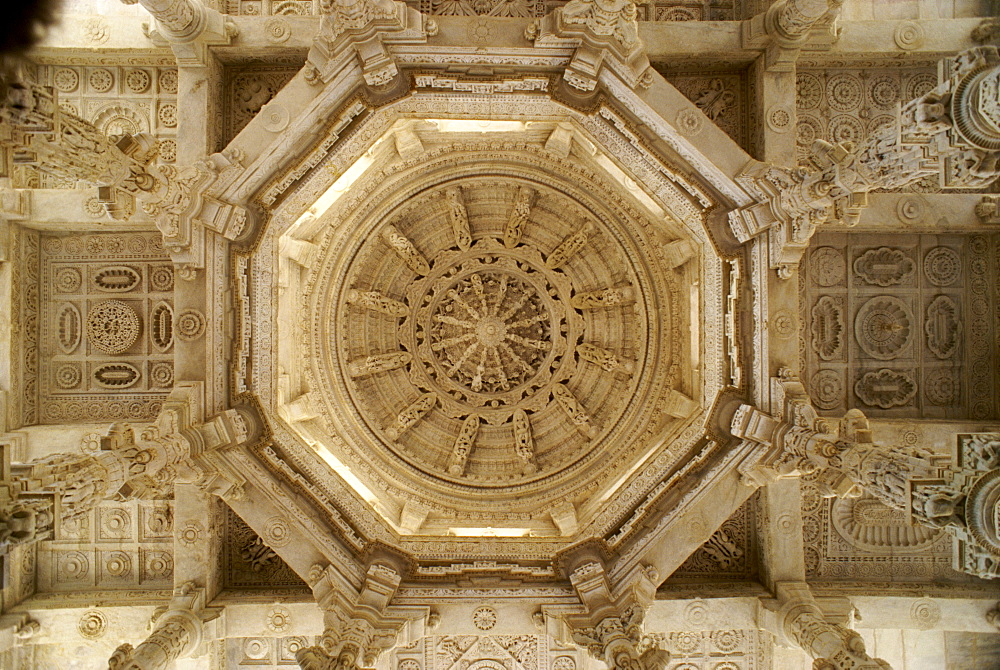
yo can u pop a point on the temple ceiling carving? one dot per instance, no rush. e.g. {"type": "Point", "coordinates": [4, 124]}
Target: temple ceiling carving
{"type": "Point", "coordinates": [499, 335]}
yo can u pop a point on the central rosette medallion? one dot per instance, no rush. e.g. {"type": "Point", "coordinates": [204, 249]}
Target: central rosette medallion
{"type": "Point", "coordinates": [491, 332]}
{"type": "Point", "coordinates": [491, 325]}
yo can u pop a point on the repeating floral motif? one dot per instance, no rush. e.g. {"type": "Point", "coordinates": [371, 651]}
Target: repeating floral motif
{"type": "Point", "coordinates": [268, 652]}
{"type": "Point", "coordinates": [888, 324]}
{"type": "Point", "coordinates": [105, 338]}
{"type": "Point", "coordinates": [716, 649]}
{"type": "Point", "coordinates": [116, 546]}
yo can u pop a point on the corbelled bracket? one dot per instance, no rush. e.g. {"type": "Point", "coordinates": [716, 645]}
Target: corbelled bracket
{"type": "Point", "coordinates": [364, 29]}
{"type": "Point", "coordinates": [601, 32]}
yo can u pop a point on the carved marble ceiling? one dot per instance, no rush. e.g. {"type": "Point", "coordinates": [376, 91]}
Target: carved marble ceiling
{"type": "Point", "coordinates": [501, 335]}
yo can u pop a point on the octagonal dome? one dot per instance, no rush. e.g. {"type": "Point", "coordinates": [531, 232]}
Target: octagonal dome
{"type": "Point", "coordinates": [494, 335]}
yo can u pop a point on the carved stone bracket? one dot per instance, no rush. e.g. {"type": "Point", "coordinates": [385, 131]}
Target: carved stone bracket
{"type": "Point", "coordinates": [358, 629]}
{"type": "Point", "coordinates": [189, 27]}
{"type": "Point", "coordinates": [364, 28]}
{"type": "Point", "coordinates": [611, 626]}
{"type": "Point", "coordinates": [953, 131]}
{"type": "Point", "coordinates": [178, 633]}
{"type": "Point", "coordinates": [789, 25]}
{"type": "Point", "coordinates": [988, 210]}
{"type": "Point", "coordinates": [600, 31]}
{"type": "Point", "coordinates": [127, 463]}
{"type": "Point", "coordinates": [800, 619]}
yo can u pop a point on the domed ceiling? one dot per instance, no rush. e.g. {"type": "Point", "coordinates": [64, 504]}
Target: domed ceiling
{"type": "Point", "coordinates": [488, 336]}
{"type": "Point", "coordinates": [492, 335]}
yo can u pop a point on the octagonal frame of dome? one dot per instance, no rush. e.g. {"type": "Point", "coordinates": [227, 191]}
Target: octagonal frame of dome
{"type": "Point", "coordinates": [303, 197]}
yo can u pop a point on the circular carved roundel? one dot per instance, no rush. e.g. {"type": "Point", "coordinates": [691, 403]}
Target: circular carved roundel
{"type": "Point", "coordinates": [489, 332]}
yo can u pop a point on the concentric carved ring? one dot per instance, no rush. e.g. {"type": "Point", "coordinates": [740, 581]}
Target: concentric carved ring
{"type": "Point", "coordinates": [490, 331]}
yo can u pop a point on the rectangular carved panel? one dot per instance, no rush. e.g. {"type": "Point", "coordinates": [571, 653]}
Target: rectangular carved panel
{"type": "Point", "coordinates": [900, 325]}
{"type": "Point", "coordinates": [106, 332]}
{"type": "Point", "coordinates": [116, 546]}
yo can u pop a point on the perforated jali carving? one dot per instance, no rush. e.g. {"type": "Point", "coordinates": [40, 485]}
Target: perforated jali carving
{"type": "Point", "coordinates": [900, 325]}
{"type": "Point", "coordinates": [106, 336]}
